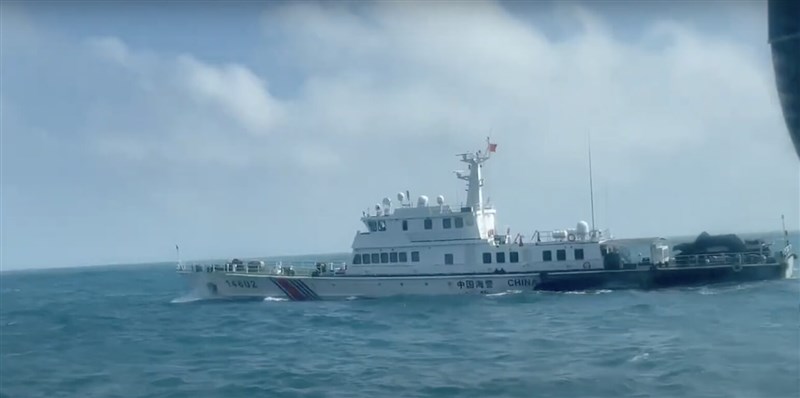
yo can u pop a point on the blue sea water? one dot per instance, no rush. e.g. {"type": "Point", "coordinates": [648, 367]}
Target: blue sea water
{"type": "Point", "coordinates": [130, 331]}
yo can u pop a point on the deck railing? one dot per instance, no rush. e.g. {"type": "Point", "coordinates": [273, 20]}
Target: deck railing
{"type": "Point", "coordinates": [564, 236]}
{"type": "Point", "coordinates": [266, 268]}
{"type": "Point", "coordinates": [722, 259]}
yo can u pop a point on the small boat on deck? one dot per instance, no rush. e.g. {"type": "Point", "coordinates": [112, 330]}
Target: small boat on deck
{"type": "Point", "coordinates": [436, 249]}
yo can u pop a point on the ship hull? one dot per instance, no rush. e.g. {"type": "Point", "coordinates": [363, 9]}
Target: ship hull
{"type": "Point", "coordinates": [305, 288]}
{"type": "Point", "coordinates": [226, 284]}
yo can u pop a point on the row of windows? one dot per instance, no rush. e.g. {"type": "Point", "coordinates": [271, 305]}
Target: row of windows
{"type": "Point", "coordinates": [513, 257]}
{"type": "Point", "coordinates": [500, 257]}
{"type": "Point", "coordinates": [379, 225]}
{"type": "Point", "coordinates": [447, 223]}
{"type": "Point", "coordinates": [385, 258]}
{"type": "Point", "coordinates": [561, 255]}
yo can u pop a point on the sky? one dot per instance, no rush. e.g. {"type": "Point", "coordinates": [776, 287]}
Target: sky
{"type": "Point", "coordinates": [263, 129]}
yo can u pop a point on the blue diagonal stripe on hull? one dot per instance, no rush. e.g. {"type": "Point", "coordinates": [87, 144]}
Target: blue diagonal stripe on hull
{"type": "Point", "coordinates": [301, 286]}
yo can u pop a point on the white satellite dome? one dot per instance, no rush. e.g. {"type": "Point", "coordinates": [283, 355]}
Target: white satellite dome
{"type": "Point", "coordinates": [582, 229]}
{"type": "Point", "coordinates": [440, 200]}
{"type": "Point", "coordinates": [422, 201]}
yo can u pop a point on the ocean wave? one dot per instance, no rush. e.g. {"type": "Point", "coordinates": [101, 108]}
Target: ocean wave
{"type": "Point", "coordinates": [84, 342]}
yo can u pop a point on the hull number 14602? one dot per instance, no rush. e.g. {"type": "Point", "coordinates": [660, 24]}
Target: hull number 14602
{"type": "Point", "coordinates": [242, 284]}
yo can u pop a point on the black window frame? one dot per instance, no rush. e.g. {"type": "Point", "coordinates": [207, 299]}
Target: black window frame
{"type": "Point", "coordinates": [500, 257]}
{"type": "Point", "coordinates": [393, 257]}
{"type": "Point", "coordinates": [428, 223]}
{"type": "Point", "coordinates": [415, 257]}
{"type": "Point", "coordinates": [487, 257]}
{"type": "Point", "coordinates": [577, 252]}
{"type": "Point", "coordinates": [561, 255]}
{"type": "Point", "coordinates": [448, 259]}
{"type": "Point", "coordinates": [403, 257]}
{"type": "Point", "coordinates": [513, 257]}
{"type": "Point", "coordinates": [405, 225]}
{"type": "Point", "coordinates": [447, 223]}
{"type": "Point", "coordinates": [376, 258]}
{"type": "Point", "coordinates": [357, 259]}
{"type": "Point", "coordinates": [459, 223]}
{"type": "Point", "coordinates": [547, 255]}
{"type": "Point", "coordinates": [365, 258]}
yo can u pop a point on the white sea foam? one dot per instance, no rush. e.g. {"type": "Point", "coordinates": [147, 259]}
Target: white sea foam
{"type": "Point", "coordinates": [186, 299]}
{"type": "Point", "coordinates": [275, 299]}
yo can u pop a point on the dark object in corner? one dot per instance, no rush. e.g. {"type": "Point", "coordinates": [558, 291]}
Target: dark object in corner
{"type": "Point", "coordinates": [784, 40]}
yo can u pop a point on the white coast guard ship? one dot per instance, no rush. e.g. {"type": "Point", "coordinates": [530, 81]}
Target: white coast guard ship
{"type": "Point", "coordinates": [419, 248]}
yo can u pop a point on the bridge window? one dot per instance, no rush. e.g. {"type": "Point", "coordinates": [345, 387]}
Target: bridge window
{"type": "Point", "coordinates": [375, 258]}
{"type": "Point", "coordinates": [448, 258]}
{"type": "Point", "coordinates": [384, 258]}
{"type": "Point", "coordinates": [373, 226]}
{"type": "Point", "coordinates": [459, 222]}
{"type": "Point", "coordinates": [405, 225]}
{"type": "Point", "coordinates": [487, 258]}
{"type": "Point", "coordinates": [415, 257]}
{"type": "Point", "coordinates": [393, 257]}
{"type": "Point", "coordinates": [403, 257]}
{"type": "Point", "coordinates": [561, 255]}
{"type": "Point", "coordinates": [547, 255]}
{"type": "Point", "coordinates": [513, 257]}
{"type": "Point", "coordinates": [447, 223]}
{"type": "Point", "coordinates": [381, 225]}
{"type": "Point", "coordinates": [579, 254]}
{"type": "Point", "coordinates": [357, 259]}
{"type": "Point", "coordinates": [501, 257]}
{"type": "Point", "coordinates": [365, 258]}
{"type": "Point", "coordinates": [428, 223]}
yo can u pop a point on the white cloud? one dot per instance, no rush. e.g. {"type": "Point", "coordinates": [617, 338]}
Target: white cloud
{"type": "Point", "coordinates": [236, 90]}
{"type": "Point", "coordinates": [192, 111]}
{"type": "Point", "coordinates": [674, 113]}
{"type": "Point", "coordinates": [400, 75]}
{"type": "Point", "coordinates": [112, 48]}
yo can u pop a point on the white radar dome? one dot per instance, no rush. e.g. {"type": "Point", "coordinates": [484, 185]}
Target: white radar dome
{"type": "Point", "coordinates": [401, 197]}
{"type": "Point", "coordinates": [440, 200]}
{"type": "Point", "coordinates": [387, 202]}
{"type": "Point", "coordinates": [422, 201]}
{"type": "Point", "coordinates": [582, 228]}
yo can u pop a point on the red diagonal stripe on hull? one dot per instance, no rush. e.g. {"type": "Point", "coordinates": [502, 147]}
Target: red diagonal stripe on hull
{"type": "Point", "coordinates": [294, 293]}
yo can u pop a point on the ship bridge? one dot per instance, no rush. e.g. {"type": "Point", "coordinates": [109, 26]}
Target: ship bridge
{"type": "Point", "coordinates": [424, 223]}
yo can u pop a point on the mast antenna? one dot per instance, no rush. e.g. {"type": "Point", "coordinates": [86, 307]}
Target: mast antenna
{"type": "Point", "coordinates": [785, 232]}
{"type": "Point", "coordinates": [591, 182]}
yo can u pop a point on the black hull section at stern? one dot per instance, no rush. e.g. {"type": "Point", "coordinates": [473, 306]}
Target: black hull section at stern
{"type": "Point", "coordinates": [656, 278]}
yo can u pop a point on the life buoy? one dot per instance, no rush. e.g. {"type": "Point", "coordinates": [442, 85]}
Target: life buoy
{"type": "Point", "coordinates": [587, 265]}
{"type": "Point", "coordinates": [737, 267]}
{"type": "Point", "coordinates": [571, 237]}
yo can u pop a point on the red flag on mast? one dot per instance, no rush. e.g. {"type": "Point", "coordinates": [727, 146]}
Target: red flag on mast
{"type": "Point", "coordinates": [492, 147]}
